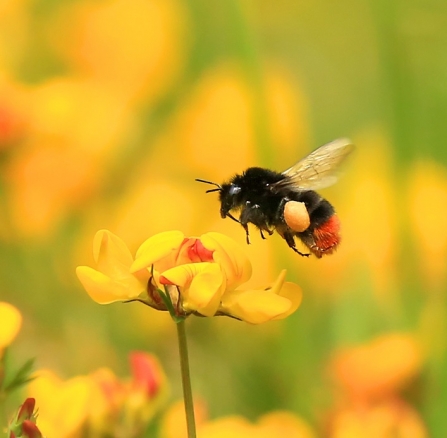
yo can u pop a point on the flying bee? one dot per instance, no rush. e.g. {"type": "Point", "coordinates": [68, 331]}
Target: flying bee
{"type": "Point", "coordinates": [286, 202]}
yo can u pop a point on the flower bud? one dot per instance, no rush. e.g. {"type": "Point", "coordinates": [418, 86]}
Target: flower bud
{"type": "Point", "coordinates": [30, 430]}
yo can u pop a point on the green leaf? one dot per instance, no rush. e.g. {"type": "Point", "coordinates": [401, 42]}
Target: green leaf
{"type": "Point", "coordinates": [22, 376]}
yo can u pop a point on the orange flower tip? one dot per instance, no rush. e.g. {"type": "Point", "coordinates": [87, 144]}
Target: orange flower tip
{"type": "Point", "coordinates": [198, 253]}
{"type": "Point", "coordinates": [164, 280]}
{"type": "Point", "coordinates": [26, 410]}
{"type": "Point", "coordinates": [296, 216]}
{"type": "Point", "coordinates": [30, 430]}
{"type": "Point", "coordinates": [145, 373]}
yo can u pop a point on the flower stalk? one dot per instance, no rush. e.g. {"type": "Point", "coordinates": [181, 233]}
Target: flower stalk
{"type": "Point", "coordinates": [186, 379]}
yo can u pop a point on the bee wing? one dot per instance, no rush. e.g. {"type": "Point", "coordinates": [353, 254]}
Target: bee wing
{"type": "Point", "coordinates": [318, 169]}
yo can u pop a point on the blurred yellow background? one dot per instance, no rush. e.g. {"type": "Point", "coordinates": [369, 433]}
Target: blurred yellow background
{"type": "Point", "coordinates": [109, 109]}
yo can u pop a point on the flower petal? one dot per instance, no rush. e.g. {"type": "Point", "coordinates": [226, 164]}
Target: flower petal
{"type": "Point", "coordinates": [292, 292]}
{"type": "Point", "coordinates": [147, 374]}
{"type": "Point", "coordinates": [230, 256]}
{"type": "Point", "coordinates": [288, 290]}
{"type": "Point", "coordinates": [105, 290]}
{"type": "Point", "coordinates": [255, 306]}
{"type": "Point", "coordinates": [11, 322]}
{"type": "Point", "coordinates": [64, 406]}
{"type": "Point", "coordinates": [111, 254]}
{"type": "Point", "coordinates": [202, 285]}
{"type": "Point", "coordinates": [156, 248]}
{"type": "Point", "coordinates": [277, 285]}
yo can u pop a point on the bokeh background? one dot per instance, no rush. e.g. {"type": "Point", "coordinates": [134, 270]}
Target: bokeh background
{"type": "Point", "coordinates": [109, 109]}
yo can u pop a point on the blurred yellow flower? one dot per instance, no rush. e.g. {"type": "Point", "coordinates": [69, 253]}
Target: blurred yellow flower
{"type": "Point", "coordinates": [14, 114]}
{"type": "Point", "coordinates": [63, 406]}
{"type": "Point", "coordinates": [390, 419]}
{"type": "Point", "coordinates": [202, 275]}
{"type": "Point", "coordinates": [11, 321]}
{"type": "Point", "coordinates": [216, 123]}
{"type": "Point", "coordinates": [428, 212]}
{"type": "Point", "coordinates": [73, 126]}
{"type": "Point", "coordinates": [379, 368]}
{"type": "Point", "coordinates": [281, 424]}
{"type": "Point", "coordinates": [127, 404]}
{"type": "Point", "coordinates": [135, 47]}
{"type": "Point", "coordinates": [106, 402]}
{"type": "Point", "coordinates": [173, 421]}
{"type": "Point", "coordinates": [100, 404]}
{"type": "Point", "coordinates": [219, 119]}
{"type": "Point", "coordinates": [147, 388]}
{"type": "Point", "coordinates": [278, 424]}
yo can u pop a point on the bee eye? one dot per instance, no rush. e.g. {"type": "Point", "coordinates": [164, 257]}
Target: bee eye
{"type": "Point", "coordinates": [234, 190]}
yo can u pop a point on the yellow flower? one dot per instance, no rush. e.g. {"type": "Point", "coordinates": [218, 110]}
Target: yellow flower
{"type": "Point", "coordinates": [137, 47]}
{"type": "Point", "coordinates": [428, 185]}
{"type": "Point", "coordinates": [117, 404]}
{"type": "Point", "coordinates": [200, 275]}
{"type": "Point", "coordinates": [207, 271]}
{"type": "Point", "coordinates": [388, 419]}
{"type": "Point", "coordinates": [113, 280]}
{"type": "Point", "coordinates": [63, 406]}
{"type": "Point", "coordinates": [11, 321]}
{"type": "Point", "coordinates": [275, 424]}
{"type": "Point", "coordinates": [379, 368]}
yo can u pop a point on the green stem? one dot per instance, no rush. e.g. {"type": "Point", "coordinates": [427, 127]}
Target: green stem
{"type": "Point", "coordinates": [186, 379]}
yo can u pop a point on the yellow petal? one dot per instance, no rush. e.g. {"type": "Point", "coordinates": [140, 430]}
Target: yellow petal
{"type": "Point", "coordinates": [230, 256]}
{"type": "Point", "coordinates": [156, 248]}
{"type": "Point", "coordinates": [105, 290]}
{"type": "Point", "coordinates": [206, 291]}
{"type": "Point", "coordinates": [63, 405]}
{"type": "Point", "coordinates": [234, 426]}
{"type": "Point", "coordinates": [287, 290]}
{"type": "Point", "coordinates": [11, 321]}
{"type": "Point", "coordinates": [279, 424]}
{"type": "Point", "coordinates": [255, 306]}
{"type": "Point", "coordinates": [292, 292]}
{"type": "Point", "coordinates": [111, 254]}
{"type": "Point", "coordinates": [202, 285]}
{"type": "Point", "coordinates": [276, 286]}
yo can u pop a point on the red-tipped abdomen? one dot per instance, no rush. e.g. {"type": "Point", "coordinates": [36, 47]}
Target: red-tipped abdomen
{"type": "Point", "coordinates": [326, 237]}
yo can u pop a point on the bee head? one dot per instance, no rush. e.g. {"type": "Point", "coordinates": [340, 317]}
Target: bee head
{"type": "Point", "coordinates": [229, 198]}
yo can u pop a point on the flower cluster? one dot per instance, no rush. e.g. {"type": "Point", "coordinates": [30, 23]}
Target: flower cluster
{"type": "Point", "coordinates": [199, 276]}
{"type": "Point", "coordinates": [275, 424]}
{"type": "Point", "coordinates": [370, 379]}
{"type": "Point", "coordinates": [100, 403]}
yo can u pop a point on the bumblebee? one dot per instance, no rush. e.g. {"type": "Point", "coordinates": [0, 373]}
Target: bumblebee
{"type": "Point", "coordinates": [287, 202]}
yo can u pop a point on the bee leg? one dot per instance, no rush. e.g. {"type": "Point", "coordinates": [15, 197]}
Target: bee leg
{"type": "Point", "coordinates": [291, 242]}
{"type": "Point", "coordinates": [232, 217]}
{"type": "Point", "coordinates": [270, 232]}
{"type": "Point", "coordinates": [247, 234]}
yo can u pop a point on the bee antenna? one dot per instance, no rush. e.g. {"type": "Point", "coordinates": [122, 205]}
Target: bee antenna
{"type": "Point", "coordinates": [218, 189]}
